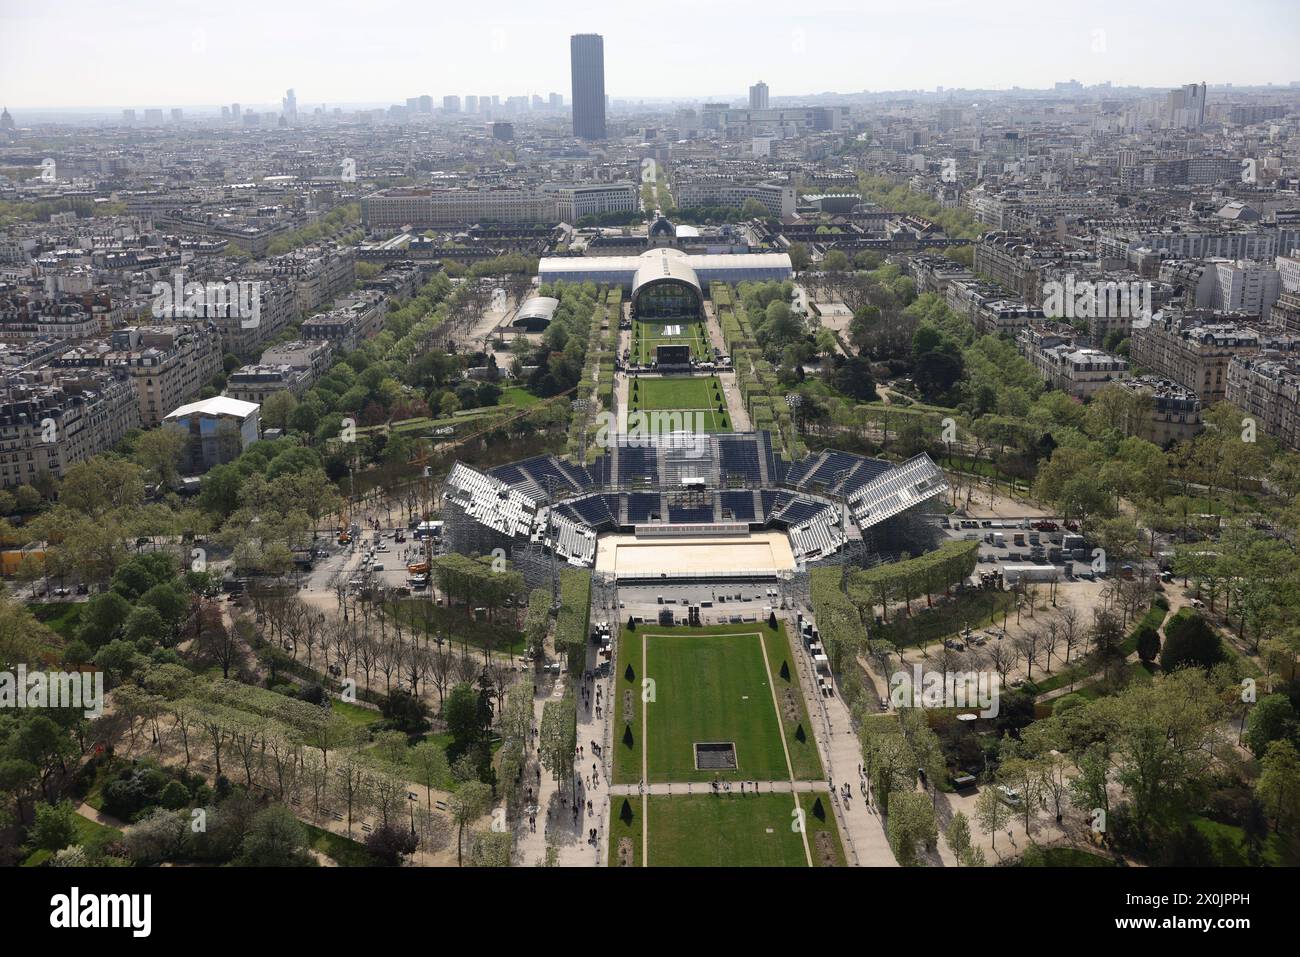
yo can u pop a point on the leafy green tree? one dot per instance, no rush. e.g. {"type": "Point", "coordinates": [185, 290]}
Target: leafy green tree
{"type": "Point", "coordinates": [428, 762]}
{"type": "Point", "coordinates": [1278, 787]}
{"type": "Point", "coordinates": [144, 624]}
{"type": "Point", "coordinates": [275, 839]}
{"type": "Point", "coordinates": [1190, 640]}
{"type": "Point", "coordinates": [911, 827]}
{"type": "Point", "coordinates": [102, 619]}
{"type": "Point", "coordinates": [55, 826]}
{"type": "Point", "coordinates": [835, 261]}
{"type": "Point", "coordinates": [1272, 719]}
{"type": "Point", "coordinates": [461, 714]}
{"type": "Point", "coordinates": [957, 836]}
{"type": "Point", "coordinates": [1148, 642]}
{"type": "Point", "coordinates": [799, 256]}
{"type": "Point", "coordinates": [991, 813]}
{"type": "Point", "coordinates": [467, 803]}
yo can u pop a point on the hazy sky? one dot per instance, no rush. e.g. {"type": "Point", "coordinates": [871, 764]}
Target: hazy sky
{"type": "Point", "coordinates": [64, 53]}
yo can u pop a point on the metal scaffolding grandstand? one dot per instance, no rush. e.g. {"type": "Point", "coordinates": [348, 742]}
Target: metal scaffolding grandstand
{"type": "Point", "coordinates": [697, 480]}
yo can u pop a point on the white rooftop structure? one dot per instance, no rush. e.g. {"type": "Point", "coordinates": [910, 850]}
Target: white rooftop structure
{"type": "Point", "coordinates": [220, 405]}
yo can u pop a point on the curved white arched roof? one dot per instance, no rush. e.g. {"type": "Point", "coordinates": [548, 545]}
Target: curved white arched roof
{"type": "Point", "coordinates": [660, 265]}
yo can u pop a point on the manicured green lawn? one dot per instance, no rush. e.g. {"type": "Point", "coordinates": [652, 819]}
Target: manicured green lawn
{"type": "Point", "coordinates": [708, 687]}
{"type": "Point", "coordinates": [822, 821]}
{"type": "Point", "coordinates": [682, 393]}
{"type": "Point", "coordinates": [517, 395]}
{"type": "Point", "coordinates": [705, 830]}
{"type": "Point", "coordinates": [803, 753]}
{"type": "Point", "coordinates": [625, 824]}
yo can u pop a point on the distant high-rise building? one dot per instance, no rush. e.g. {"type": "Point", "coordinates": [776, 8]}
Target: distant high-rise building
{"type": "Point", "coordinates": [758, 96]}
{"type": "Point", "coordinates": [177, 114]}
{"type": "Point", "coordinates": [6, 121]}
{"type": "Point", "coordinates": [471, 104]}
{"type": "Point", "coordinates": [1186, 107]}
{"type": "Point", "coordinates": [451, 104]}
{"type": "Point", "coordinates": [225, 112]}
{"type": "Point", "coordinates": [234, 110]}
{"type": "Point", "coordinates": [425, 104]}
{"type": "Point", "coordinates": [537, 102]}
{"type": "Point", "coordinates": [289, 105]}
{"type": "Point", "coordinates": [557, 101]}
{"type": "Point", "coordinates": [587, 63]}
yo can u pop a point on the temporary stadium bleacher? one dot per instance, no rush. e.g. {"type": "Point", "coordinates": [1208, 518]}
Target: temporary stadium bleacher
{"type": "Point", "coordinates": [690, 514]}
{"type": "Point", "coordinates": [638, 465]}
{"type": "Point", "coordinates": [728, 477]}
{"type": "Point", "coordinates": [738, 461]}
{"type": "Point", "coordinates": [832, 469]}
{"type": "Point", "coordinates": [593, 510]}
{"type": "Point", "coordinates": [915, 481]}
{"type": "Point", "coordinates": [738, 506]}
{"type": "Point", "coordinates": [797, 511]}
{"type": "Point", "coordinates": [642, 506]}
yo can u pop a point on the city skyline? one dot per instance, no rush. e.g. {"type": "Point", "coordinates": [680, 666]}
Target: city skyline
{"type": "Point", "coordinates": [829, 47]}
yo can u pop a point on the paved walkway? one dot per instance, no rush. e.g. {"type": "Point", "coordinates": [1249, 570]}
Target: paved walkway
{"type": "Point", "coordinates": [99, 817]}
{"type": "Point", "coordinates": [861, 828]}
{"type": "Point", "coordinates": [553, 800]}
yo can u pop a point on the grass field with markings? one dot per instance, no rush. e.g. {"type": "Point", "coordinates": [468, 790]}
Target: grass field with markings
{"type": "Point", "coordinates": [686, 394]}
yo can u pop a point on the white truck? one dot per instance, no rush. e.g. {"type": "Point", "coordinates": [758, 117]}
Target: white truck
{"type": "Point", "coordinates": [1030, 574]}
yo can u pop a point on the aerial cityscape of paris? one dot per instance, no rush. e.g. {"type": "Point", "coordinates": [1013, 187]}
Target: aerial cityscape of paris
{"type": "Point", "coordinates": [666, 437]}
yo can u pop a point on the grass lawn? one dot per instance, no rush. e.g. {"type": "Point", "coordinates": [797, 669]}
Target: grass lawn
{"type": "Point", "coordinates": [1231, 838]}
{"type": "Point", "coordinates": [356, 715]}
{"type": "Point", "coordinates": [61, 617]}
{"type": "Point", "coordinates": [686, 394]}
{"type": "Point", "coordinates": [648, 336]}
{"type": "Point", "coordinates": [518, 395]}
{"type": "Point", "coordinates": [341, 850]}
{"type": "Point", "coordinates": [710, 685]}
{"type": "Point", "coordinates": [705, 830]}
{"type": "Point", "coordinates": [803, 753]}
{"type": "Point", "coordinates": [94, 837]}
{"type": "Point", "coordinates": [1036, 856]}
